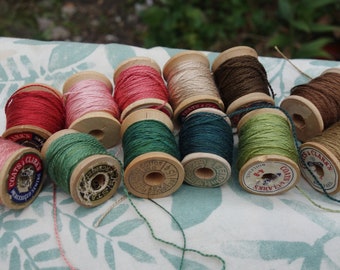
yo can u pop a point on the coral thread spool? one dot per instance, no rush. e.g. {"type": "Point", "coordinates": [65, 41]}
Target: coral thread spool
{"type": "Point", "coordinates": [267, 172]}
{"type": "Point", "coordinates": [320, 162]}
{"type": "Point", "coordinates": [182, 72]}
{"type": "Point", "coordinates": [42, 122]}
{"type": "Point", "coordinates": [140, 95]}
{"type": "Point", "coordinates": [153, 174]}
{"type": "Point", "coordinates": [306, 116]}
{"type": "Point", "coordinates": [248, 100]}
{"type": "Point", "coordinates": [94, 179]}
{"type": "Point", "coordinates": [100, 122]}
{"type": "Point", "coordinates": [21, 174]}
{"type": "Point", "coordinates": [203, 166]}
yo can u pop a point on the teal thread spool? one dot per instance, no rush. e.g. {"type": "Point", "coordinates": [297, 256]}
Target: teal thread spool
{"type": "Point", "coordinates": [151, 155]}
{"type": "Point", "coordinates": [267, 156]}
{"type": "Point", "coordinates": [82, 167]}
{"type": "Point", "coordinates": [206, 144]}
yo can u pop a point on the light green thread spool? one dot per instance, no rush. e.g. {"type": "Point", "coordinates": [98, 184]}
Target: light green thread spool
{"type": "Point", "coordinates": [81, 166]}
{"type": "Point", "coordinates": [267, 156]}
{"type": "Point", "coordinates": [151, 156]}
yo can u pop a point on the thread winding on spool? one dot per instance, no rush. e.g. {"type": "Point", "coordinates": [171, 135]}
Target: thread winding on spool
{"type": "Point", "coordinates": [90, 107]}
{"type": "Point", "coordinates": [21, 174]}
{"type": "Point", "coordinates": [82, 167]}
{"type": "Point", "coordinates": [190, 84]}
{"type": "Point", "coordinates": [241, 80]}
{"type": "Point", "coordinates": [206, 144]}
{"type": "Point", "coordinates": [33, 113]}
{"type": "Point", "coordinates": [139, 84]}
{"type": "Point", "coordinates": [315, 106]}
{"type": "Point", "coordinates": [267, 155]}
{"type": "Point", "coordinates": [320, 157]}
{"type": "Point", "coordinates": [151, 155]}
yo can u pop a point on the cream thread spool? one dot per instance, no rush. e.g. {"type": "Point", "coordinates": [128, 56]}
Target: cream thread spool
{"type": "Point", "coordinates": [144, 103]}
{"type": "Point", "coordinates": [100, 124]}
{"type": "Point", "coordinates": [248, 100]}
{"type": "Point", "coordinates": [267, 174]}
{"type": "Point", "coordinates": [152, 174]}
{"type": "Point", "coordinates": [30, 135]}
{"type": "Point", "coordinates": [194, 101]}
{"type": "Point", "coordinates": [95, 179]}
{"type": "Point", "coordinates": [206, 169]}
{"type": "Point", "coordinates": [21, 178]}
{"type": "Point", "coordinates": [305, 115]}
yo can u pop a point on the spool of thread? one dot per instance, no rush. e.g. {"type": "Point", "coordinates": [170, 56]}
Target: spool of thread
{"type": "Point", "coordinates": [21, 174]}
{"type": "Point", "coordinates": [90, 107]}
{"type": "Point", "coordinates": [320, 158]}
{"type": "Point", "coordinates": [151, 155]}
{"type": "Point", "coordinates": [206, 144]}
{"type": "Point", "coordinates": [190, 84]}
{"type": "Point", "coordinates": [267, 155]}
{"type": "Point", "coordinates": [81, 166]}
{"type": "Point", "coordinates": [242, 81]}
{"type": "Point", "coordinates": [33, 113]}
{"type": "Point", "coordinates": [315, 106]}
{"type": "Point", "coordinates": [139, 84]}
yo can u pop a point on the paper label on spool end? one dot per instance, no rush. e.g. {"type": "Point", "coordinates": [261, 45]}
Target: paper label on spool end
{"type": "Point", "coordinates": [269, 177]}
{"type": "Point", "coordinates": [28, 139]}
{"type": "Point", "coordinates": [323, 169]}
{"type": "Point", "coordinates": [24, 178]}
{"type": "Point", "coordinates": [196, 106]}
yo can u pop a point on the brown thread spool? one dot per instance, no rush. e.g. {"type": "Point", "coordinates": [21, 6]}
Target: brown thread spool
{"type": "Point", "coordinates": [316, 105]}
{"type": "Point", "coordinates": [146, 102]}
{"type": "Point", "coordinates": [95, 179]}
{"type": "Point", "coordinates": [153, 174]}
{"type": "Point", "coordinates": [321, 156]}
{"type": "Point", "coordinates": [100, 124]}
{"type": "Point", "coordinates": [21, 178]}
{"type": "Point", "coordinates": [190, 83]}
{"type": "Point", "coordinates": [281, 172]}
{"type": "Point", "coordinates": [241, 80]}
{"type": "Point", "coordinates": [31, 135]}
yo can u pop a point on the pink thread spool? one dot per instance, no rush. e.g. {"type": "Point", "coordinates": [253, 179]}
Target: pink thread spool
{"type": "Point", "coordinates": [90, 107]}
{"type": "Point", "coordinates": [139, 85]}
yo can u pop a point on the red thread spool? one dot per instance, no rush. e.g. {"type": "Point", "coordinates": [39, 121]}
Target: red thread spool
{"type": "Point", "coordinates": [139, 85]}
{"type": "Point", "coordinates": [33, 113]}
{"type": "Point", "coordinates": [21, 174]}
{"type": "Point", "coordinates": [90, 107]}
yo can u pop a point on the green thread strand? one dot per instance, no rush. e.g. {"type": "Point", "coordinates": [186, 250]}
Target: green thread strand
{"type": "Point", "coordinates": [66, 152]}
{"type": "Point", "coordinates": [148, 136]}
{"type": "Point", "coordinates": [266, 134]}
{"type": "Point", "coordinates": [207, 133]}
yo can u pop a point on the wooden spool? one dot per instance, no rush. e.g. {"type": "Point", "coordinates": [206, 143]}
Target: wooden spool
{"type": "Point", "coordinates": [195, 102]}
{"type": "Point", "coordinates": [248, 100]}
{"type": "Point", "coordinates": [206, 169]}
{"type": "Point", "coordinates": [267, 174]}
{"type": "Point", "coordinates": [95, 179]}
{"type": "Point", "coordinates": [21, 178]}
{"type": "Point", "coordinates": [29, 135]}
{"type": "Point", "coordinates": [153, 174]}
{"type": "Point", "coordinates": [146, 102]}
{"type": "Point", "coordinates": [100, 124]}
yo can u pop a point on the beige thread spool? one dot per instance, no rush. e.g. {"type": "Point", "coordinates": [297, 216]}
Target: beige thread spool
{"type": "Point", "coordinates": [153, 174]}
{"type": "Point", "coordinates": [323, 163]}
{"type": "Point", "coordinates": [100, 124]}
{"type": "Point", "coordinates": [29, 135]}
{"type": "Point", "coordinates": [305, 115]}
{"type": "Point", "coordinates": [146, 102]}
{"type": "Point", "coordinates": [21, 178]}
{"type": "Point", "coordinates": [267, 174]}
{"type": "Point", "coordinates": [206, 169]}
{"type": "Point", "coordinates": [184, 107]}
{"type": "Point", "coordinates": [248, 100]}
{"type": "Point", "coordinates": [95, 179]}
